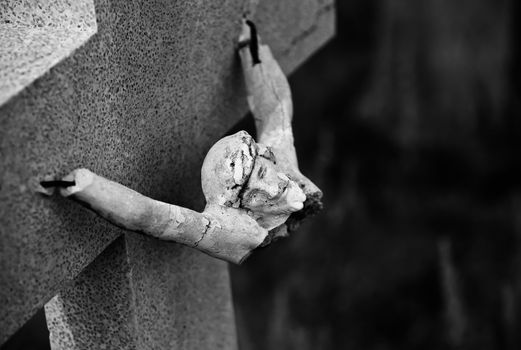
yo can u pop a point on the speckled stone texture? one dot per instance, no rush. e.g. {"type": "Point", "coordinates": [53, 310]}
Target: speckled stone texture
{"type": "Point", "coordinates": [96, 310]}
{"type": "Point", "coordinates": [140, 102]}
{"type": "Point", "coordinates": [188, 308]}
{"type": "Point", "coordinates": [36, 35]}
{"type": "Point", "coordinates": [125, 300]}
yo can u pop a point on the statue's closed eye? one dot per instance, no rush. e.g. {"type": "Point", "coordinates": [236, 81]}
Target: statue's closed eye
{"type": "Point", "coordinates": [261, 172]}
{"type": "Point", "coordinates": [269, 155]}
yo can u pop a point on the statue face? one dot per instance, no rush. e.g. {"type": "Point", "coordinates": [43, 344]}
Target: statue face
{"type": "Point", "coordinates": [240, 173]}
{"type": "Point", "coordinates": [227, 167]}
{"type": "Point", "coordinates": [269, 194]}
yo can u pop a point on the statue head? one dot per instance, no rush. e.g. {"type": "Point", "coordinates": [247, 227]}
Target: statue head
{"type": "Point", "coordinates": [237, 172]}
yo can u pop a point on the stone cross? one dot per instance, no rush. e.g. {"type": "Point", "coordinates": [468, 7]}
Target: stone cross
{"type": "Point", "coordinates": [138, 91]}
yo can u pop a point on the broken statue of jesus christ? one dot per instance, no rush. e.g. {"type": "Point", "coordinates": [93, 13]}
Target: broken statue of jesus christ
{"type": "Point", "coordinates": [251, 188]}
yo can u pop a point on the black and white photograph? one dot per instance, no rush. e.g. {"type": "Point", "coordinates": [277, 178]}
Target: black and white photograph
{"type": "Point", "coordinates": [260, 175]}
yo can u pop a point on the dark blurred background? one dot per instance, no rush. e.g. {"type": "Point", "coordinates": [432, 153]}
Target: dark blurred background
{"type": "Point", "coordinates": [409, 120]}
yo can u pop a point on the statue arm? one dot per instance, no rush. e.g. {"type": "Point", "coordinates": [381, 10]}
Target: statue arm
{"type": "Point", "coordinates": [269, 99]}
{"type": "Point", "coordinates": [269, 96]}
{"type": "Point", "coordinates": [219, 233]}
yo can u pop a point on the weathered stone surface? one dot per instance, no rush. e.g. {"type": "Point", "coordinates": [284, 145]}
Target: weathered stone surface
{"type": "Point", "coordinates": [95, 310]}
{"type": "Point", "coordinates": [141, 101]}
{"type": "Point", "coordinates": [126, 300]}
{"type": "Point", "coordinates": [36, 35]}
{"type": "Point", "coordinates": [182, 297]}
